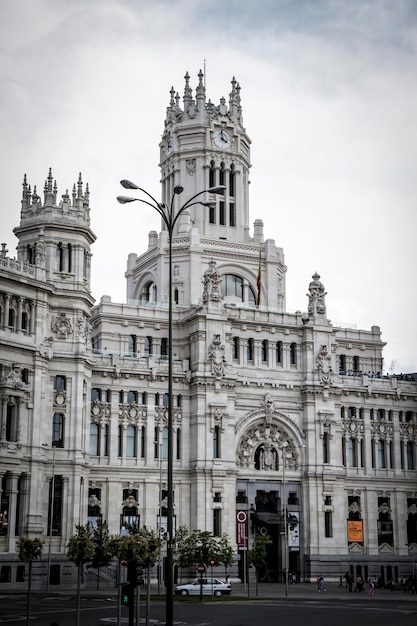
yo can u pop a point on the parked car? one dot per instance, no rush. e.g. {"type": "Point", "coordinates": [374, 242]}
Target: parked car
{"type": "Point", "coordinates": [211, 586]}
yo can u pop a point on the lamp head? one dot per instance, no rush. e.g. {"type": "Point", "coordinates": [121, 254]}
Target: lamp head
{"type": "Point", "coordinates": [178, 189]}
{"type": "Point", "coordinates": [125, 199]}
{"type": "Point", "coordinates": [127, 184]}
{"type": "Point", "coordinates": [217, 189]}
{"type": "Point", "coordinates": [209, 203]}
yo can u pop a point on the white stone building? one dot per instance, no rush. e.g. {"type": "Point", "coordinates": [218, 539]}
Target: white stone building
{"type": "Point", "coordinates": [274, 411]}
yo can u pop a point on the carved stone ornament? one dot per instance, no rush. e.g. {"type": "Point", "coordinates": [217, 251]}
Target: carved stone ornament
{"type": "Point", "coordinates": [316, 297]}
{"type": "Point", "coordinates": [211, 282]}
{"type": "Point", "coordinates": [62, 326]}
{"type": "Point", "coordinates": [324, 366]}
{"type": "Point", "coordinates": [93, 501]}
{"type": "Point", "coordinates": [130, 502]}
{"type": "Point", "coordinates": [273, 438]}
{"type": "Point", "coordinates": [14, 377]}
{"type": "Point", "coordinates": [216, 356]}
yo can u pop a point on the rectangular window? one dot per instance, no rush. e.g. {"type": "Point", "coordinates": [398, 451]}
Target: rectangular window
{"type": "Point", "coordinates": [178, 443]}
{"type": "Point", "coordinates": [222, 217]}
{"type": "Point", "coordinates": [143, 442]}
{"type": "Point", "coordinates": [325, 448]}
{"type": "Point", "coordinates": [249, 350]}
{"type": "Point", "coordinates": [165, 443]}
{"type": "Point", "coordinates": [94, 440]}
{"type": "Point", "coordinates": [410, 455]}
{"type": "Point", "coordinates": [236, 348]}
{"type": "Point", "coordinates": [382, 461]}
{"type": "Point", "coordinates": [106, 440]}
{"type": "Point", "coordinates": [217, 522]}
{"type": "Point", "coordinates": [352, 452]}
{"type": "Point", "coordinates": [328, 527]}
{"type": "Point", "coordinates": [56, 508]}
{"type": "Point", "coordinates": [216, 442]}
{"type": "Point", "coordinates": [293, 354]}
{"type": "Point", "coordinates": [212, 214]}
{"type": "Point", "coordinates": [60, 383]}
{"type": "Point", "coordinates": [58, 430]}
{"type": "Point", "coordinates": [120, 441]}
{"type": "Point", "coordinates": [278, 352]}
{"type": "Point", "coordinates": [131, 441]}
{"type": "Point", "coordinates": [264, 351]}
{"type": "Point", "coordinates": [232, 214]}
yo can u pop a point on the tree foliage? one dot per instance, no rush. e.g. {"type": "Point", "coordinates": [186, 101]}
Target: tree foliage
{"type": "Point", "coordinates": [80, 547]}
{"type": "Point", "coordinates": [141, 545]}
{"type": "Point", "coordinates": [29, 549]}
{"type": "Point", "coordinates": [201, 546]}
{"type": "Point", "coordinates": [103, 553]}
{"type": "Point", "coordinates": [258, 552]}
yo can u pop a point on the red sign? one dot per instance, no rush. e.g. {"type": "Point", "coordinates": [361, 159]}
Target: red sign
{"type": "Point", "coordinates": [242, 529]}
{"type": "Point", "coordinates": [201, 568]}
{"type": "Point", "coordinates": [212, 562]}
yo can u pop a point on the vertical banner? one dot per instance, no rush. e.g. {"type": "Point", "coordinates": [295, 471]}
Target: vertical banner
{"type": "Point", "coordinates": [355, 531]}
{"type": "Point", "coordinates": [241, 529]}
{"type": "Point", "coordinates": [294, 532]}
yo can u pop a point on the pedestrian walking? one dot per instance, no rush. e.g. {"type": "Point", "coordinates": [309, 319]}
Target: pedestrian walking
{"type": "Point", "coordinates": [371, 587]}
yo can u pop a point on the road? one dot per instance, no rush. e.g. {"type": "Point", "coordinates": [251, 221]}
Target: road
{"type": "Point", "coordinates": [313, 610]}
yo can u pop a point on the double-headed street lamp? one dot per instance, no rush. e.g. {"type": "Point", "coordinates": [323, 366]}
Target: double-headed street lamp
{"type": "Point", "coordinates": [170, 215]}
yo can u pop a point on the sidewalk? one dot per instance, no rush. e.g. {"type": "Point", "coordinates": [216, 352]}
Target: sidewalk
{"type": "Point", "coordinates": [309, 591]}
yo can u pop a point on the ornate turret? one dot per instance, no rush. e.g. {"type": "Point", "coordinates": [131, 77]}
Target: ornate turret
{"type": "Point", "coordinates": [55, 236]}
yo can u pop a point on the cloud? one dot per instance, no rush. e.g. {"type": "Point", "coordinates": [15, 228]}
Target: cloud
{"type": "Point", "coordinates": [329, 97]}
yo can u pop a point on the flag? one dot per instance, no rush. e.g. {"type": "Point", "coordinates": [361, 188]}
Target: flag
{"type": "Point", "coordinates": [259, 281]}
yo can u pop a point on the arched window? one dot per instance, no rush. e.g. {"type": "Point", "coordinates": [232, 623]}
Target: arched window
{"type": "Point", "coordinates": [149, 293]}
{"type": "Point", "coordinates": [235, 287]}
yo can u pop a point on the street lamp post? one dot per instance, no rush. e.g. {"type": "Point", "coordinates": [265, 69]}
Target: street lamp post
{"type": "Point", "coordinates": [169, 215]}
{"type": "Point", "coordinates": [285, 520]}
{"type": "Point", "coordinates": [51, 515]}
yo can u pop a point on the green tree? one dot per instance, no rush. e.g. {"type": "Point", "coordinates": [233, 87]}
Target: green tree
{"type": "Point", "coordinates": [29, 550]}
{"type": "Point", "coordinates": [258, 553]}
{"type": "Point", "coordinates": [226, 552]}
{"type": "Point", "coordinates": [141, 545]}
{"type": "Point", "coordinates": [103, 549]}
{"type": "Point", "coordinates": [201, 546]}
{"type": "Point", "coordinates": [80, 550]}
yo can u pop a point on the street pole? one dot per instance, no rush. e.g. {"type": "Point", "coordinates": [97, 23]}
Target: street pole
{"type": "Point", "coordinates": [169, 215]}
{"type": "Point", "coordinates": [51, 515]}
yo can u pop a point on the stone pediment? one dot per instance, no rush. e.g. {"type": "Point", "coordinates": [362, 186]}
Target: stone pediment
{"type": "Point", "coordinates": [355, 548]}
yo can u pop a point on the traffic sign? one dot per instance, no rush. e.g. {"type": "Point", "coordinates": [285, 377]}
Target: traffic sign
{"type": "Point", "coordinates": [201, 568]}
{"type": "Point", "coordinates": [212, 561]}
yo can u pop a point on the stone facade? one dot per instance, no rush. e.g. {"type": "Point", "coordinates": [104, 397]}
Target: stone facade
{"type": "Point", "coordinates": [282, 421]}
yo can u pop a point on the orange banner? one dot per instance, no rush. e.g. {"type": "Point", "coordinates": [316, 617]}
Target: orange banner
{"type": "Point", "coordinates": [355, 531]}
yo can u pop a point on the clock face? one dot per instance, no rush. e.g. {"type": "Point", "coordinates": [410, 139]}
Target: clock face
{"type": "Point", "coordinates": [222, 139]}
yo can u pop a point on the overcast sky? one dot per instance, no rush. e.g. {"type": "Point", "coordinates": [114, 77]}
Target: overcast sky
{"type": "Point", "coordinates": [329, 96]}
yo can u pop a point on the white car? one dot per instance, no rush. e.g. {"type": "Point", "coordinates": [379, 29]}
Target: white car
{"type": "Point", "coordinates": [211, 586]}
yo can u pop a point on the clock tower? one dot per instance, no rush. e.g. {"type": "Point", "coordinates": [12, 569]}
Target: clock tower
{"type": "Point", "coordinates": [204, 145]}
